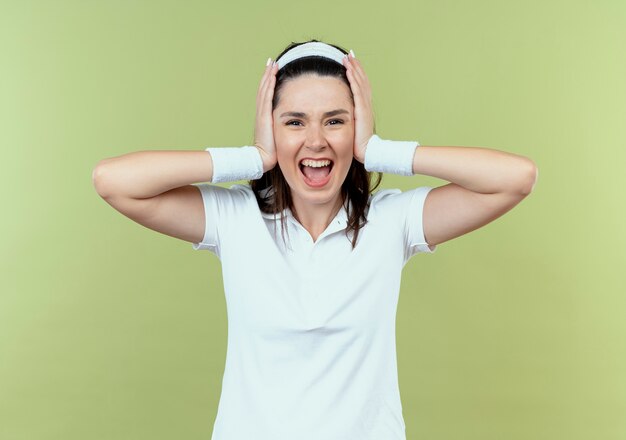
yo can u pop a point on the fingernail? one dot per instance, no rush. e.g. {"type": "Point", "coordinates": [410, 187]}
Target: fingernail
{"type": "Point", "coordinates": [352, 53]}
{"type": "Point", "coordinates": [268, 61]}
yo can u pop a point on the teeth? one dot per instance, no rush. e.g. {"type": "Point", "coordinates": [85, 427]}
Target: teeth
{"type": "Point", "coordinates": [315, 163]}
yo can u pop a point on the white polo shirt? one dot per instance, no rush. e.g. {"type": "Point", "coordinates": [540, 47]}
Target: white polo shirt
{"type": "Point", "coordinates": [311, 349]}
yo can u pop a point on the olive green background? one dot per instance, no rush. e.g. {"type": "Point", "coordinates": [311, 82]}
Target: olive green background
{"type": "Point", "coordinates": [109, 330]}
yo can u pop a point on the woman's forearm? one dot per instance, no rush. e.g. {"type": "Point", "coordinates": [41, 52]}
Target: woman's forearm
{"type": "Point", "coordinates": [478, 169]}
{"type": "Point", "coordinates": [144, 174]}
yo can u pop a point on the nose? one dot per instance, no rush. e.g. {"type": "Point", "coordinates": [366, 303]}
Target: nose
{"type": "Point", "coordinates": [315, 139]}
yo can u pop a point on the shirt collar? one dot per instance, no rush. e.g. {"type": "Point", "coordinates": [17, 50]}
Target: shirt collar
{"type": "Point", "coordinates": [339, 222]}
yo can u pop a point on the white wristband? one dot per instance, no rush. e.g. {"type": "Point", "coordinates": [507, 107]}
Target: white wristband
{"type": "Point", "coordinates": [236, 163]}
{"type": "Point", "coordinates": [385, 156]}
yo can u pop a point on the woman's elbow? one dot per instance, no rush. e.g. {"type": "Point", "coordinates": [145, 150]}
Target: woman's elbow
{"type": "Point", "coordinates": [98, 178]}
{"type": "Point", "coordinates": [528, 178]}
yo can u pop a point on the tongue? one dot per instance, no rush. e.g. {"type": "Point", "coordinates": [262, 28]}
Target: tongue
{"type": "Point", "coordinates": [316, 174]}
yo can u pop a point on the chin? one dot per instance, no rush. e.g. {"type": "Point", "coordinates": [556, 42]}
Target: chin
{"type": "Point", "coordinates": [320, 198]}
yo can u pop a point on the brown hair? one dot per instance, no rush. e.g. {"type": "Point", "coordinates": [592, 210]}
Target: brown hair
{"type": "Point", "coordinates": [272, 192]}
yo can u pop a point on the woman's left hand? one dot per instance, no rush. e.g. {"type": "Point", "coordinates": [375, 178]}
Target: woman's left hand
{"type": "Point", "coordinates": [363, 113]}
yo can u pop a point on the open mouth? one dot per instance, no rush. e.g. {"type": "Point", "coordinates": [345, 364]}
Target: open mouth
{"type": "Point", "coordinates": [316, 173]}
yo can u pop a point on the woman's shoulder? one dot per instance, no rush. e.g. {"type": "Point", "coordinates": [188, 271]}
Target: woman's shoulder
{"type": "Point", "coordinates": [382, 195]}
{"type": "Point", "coordinates": [235, 188]}
{"type": "Point", "coordinates": [395, 200]}
{"type": "Point", "coordinates": [236, 194]}
{"type": "Point", "coordinates": [389, 194]}
{"type": "Point", "coordinates": [383, 192]}
{"type": "Point", "coordinates": [243, 188]}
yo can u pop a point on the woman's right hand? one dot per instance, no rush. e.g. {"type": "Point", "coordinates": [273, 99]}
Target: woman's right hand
{"type": "Point", "coordinates": [263, 130]}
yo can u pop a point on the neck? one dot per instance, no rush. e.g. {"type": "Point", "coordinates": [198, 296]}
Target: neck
{"type": "Point", "coordinates": [315, 218]}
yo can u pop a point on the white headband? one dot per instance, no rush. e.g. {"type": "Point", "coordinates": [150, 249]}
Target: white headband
{"type": "Point", "coordinates": [313, 48]}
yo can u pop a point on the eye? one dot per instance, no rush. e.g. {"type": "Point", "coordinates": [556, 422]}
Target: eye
{"type": "Point", "coordinates": [340, 121]}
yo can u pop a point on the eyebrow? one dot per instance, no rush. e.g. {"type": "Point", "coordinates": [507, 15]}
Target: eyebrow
{"type": "Point", "coordinates": [325, 115]}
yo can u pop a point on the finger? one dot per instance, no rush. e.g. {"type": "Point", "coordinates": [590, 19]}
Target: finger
{"type": "Point", "coordinates": [349, 63]}
{"type": "Point", "coordinates": [362, 98]}
{"type": "Point", "coordinates": [264, 78]}
{"type": "Point", "coordinates": [354, 80]}
{"type": "Point", "coordinates": [361, 83]}
{"type": "Point", "coordinates": [359, 74]}
{"type": "Point", "coordinates": [361, 77]}
{"type": "Point", "coordinates": [267, 85]}
{"type": "Point", "coordinates": [264, 107]}
{"type": "Point", "coordinates": [357, 90]}
{"type": "Point", "coordinates": [269, 90]}
{"type": "Point", "coordinates": [363, 95]}
{"type": "Point", "coordinates": [364, 89]}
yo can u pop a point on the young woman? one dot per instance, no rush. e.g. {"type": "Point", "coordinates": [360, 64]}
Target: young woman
{"type": "Point", "coordinates": [311, 255]}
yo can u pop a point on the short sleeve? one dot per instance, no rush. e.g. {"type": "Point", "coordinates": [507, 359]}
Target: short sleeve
{"type": "Point", "coordinates": [404, 211]}
{"type": "Point", "coordinates": [415, 222]}
{"type": "Point", "coordinates": [221, 208]}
